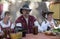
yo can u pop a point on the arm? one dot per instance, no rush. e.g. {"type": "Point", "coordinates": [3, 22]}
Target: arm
{"type": "Point", "coordinates": [18, 24]}
{"type": "Point", "coordinates": [1, 32]}
{"type": "Point", "coordinates": [37, 24]}
{"type": "Point", "coordinates": [44, 26]}
{"type": "Point", "coordinates": [12, 26]}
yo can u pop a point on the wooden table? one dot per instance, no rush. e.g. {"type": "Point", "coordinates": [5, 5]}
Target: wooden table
{"type": "Point", "coordinates": [40, 36]}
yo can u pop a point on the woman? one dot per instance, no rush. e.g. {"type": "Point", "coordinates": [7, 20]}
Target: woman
{"type": "Point", "coordinates": [6, 26]}
{"type": "Point", "coordinates": [49, 23]}
{"type": "Point", "coordinates": [27, 21]}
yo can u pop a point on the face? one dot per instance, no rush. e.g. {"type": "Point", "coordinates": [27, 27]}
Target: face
{"type": "Point", "coordinates": [7, 16]}
{"type": "Point", "coordinates": [50, 17]}
{"type": "Point", "coordinates": [25, 12]}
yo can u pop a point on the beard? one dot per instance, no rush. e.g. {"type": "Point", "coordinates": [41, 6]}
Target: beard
{"type": "Point", "coordinates": [26, 15]}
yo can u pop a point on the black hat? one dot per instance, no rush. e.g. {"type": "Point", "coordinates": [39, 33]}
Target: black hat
{"type": "Point", "coordinates": [25, 7]}
{"type": "Point", "coordinates": [47, 13]}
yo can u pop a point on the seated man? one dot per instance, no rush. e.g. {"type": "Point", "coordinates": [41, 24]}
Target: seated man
{"type": "Point", "coordinates": [49, 23]}
{"type": "Point", "coordinates": [6, 26]}
{"type": "Point", "coordinates": [27, 21]}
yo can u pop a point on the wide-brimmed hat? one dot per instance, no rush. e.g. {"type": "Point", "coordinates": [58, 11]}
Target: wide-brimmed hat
{"type": "Point", "coordinates": [25, 7]}
{"type": "Point", "coordinates": [47, 13]}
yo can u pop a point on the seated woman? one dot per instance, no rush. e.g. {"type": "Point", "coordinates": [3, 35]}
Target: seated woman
{"type": "Point", "coordinates": [6, 26]}
{"type": "Point", "coordinates": [27, 21]}
{"type": "Point", "coordinates": [49, 23]}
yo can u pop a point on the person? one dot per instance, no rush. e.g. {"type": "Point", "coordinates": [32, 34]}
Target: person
{"type": "Point", "coordinates": [0, 16]}
{"type": "Point", "coordinates": [49, 23]}
{"type": "Point", "coordinates": [1, 10]}
{"type": "Point", "coordinates": [6, 26]}
{"type": "Point", "coordinates": [27, 21]}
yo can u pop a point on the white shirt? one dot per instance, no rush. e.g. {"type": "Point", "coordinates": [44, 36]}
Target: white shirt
{"type": "Point", "coordinates": [44, 25]}
{"type": "Point", "coordinates": [6, 25]}
{"type": "Point", "coordinates": [26, 20]}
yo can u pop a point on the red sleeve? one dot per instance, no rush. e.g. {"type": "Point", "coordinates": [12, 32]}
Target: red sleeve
{"type": "Point", "coordinates": [18, 20]}
{"type": "Point", "coordinates": [34, 19]}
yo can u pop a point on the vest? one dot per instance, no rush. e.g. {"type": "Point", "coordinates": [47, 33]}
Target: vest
{"type": "Point", "coordinates": [26, 26]}
{"type": "Point", "coordinates": [7, 29]}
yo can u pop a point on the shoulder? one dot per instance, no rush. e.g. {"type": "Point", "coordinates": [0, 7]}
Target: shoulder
{"type": "Point", "coordinates": [20, 17]}
{"type": "Point", "coordinates": [32, 16]}
{"type": "Point", "coordinates": [54, 21]}
{"type": "Point", "coordinates": [43, 22]}
{"type": "Point", "coordinates": [10, 22]}
{"type": "Point", "coordinates": [1, 21]}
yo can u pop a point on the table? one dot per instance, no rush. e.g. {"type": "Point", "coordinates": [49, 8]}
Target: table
{"type": "Point", "coordinates": [40, 36]}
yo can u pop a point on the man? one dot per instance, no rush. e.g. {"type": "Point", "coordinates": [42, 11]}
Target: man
{"type": "Point", "coordinates": [6, 26]}
{"type": "Point", "coordinates": [49, 23]}
{"type": "Point", "coordinates": [27, 21]}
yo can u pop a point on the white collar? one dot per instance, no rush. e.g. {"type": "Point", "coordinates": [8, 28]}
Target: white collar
{"type": "Point", "coordinates": [50, 21]}
{"type": "Point", "coordinates": [5, 25]}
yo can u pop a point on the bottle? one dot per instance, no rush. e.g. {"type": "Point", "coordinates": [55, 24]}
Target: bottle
{"type": "Point", "coordinates": [20, 29]}
{"type": "Point", "coordinates": [35, 30]}
{"type": "Point", "coordinates": [23, 32]}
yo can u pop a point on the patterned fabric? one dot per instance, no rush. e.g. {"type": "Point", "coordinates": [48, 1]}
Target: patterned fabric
{"type": "Point", "coordinates": [26, 26]}
{"type": "Point", "coordinates": [6, 30]}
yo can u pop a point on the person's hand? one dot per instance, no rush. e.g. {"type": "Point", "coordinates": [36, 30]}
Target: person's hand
{"type": "Point", "coordinates": [8, 36]}
{"type": "Point", "coordinates": [51, 25]}
{"type": "Point", "coordinates": [1, 33]}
